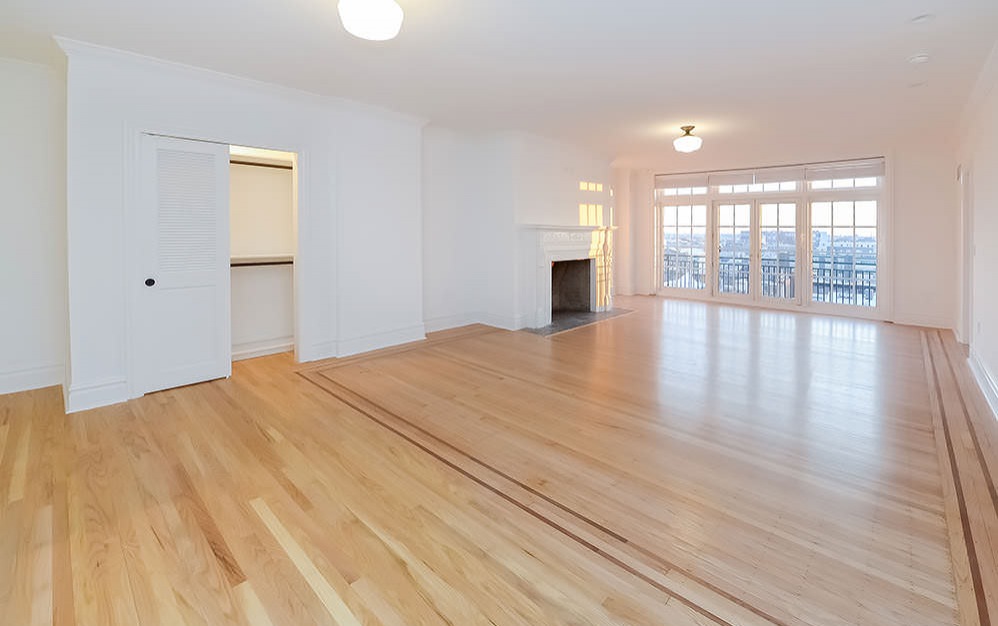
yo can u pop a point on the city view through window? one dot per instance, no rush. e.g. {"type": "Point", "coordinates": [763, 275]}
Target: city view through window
{"type": "Point", "coordinates": [763, 248]}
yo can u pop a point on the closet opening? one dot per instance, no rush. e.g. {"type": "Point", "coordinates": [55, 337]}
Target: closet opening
{"type": "Point", "coordinates": [263, 244]}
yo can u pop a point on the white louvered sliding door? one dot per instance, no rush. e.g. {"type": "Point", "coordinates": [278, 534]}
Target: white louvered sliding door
{"type": "Point", "coordinates": [183, 302]}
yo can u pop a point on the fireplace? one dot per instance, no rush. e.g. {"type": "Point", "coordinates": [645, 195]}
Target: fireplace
{"type": "Point", "coordinates": [571, 285]}
{"type": "Point", "coordinates": [587, 276]}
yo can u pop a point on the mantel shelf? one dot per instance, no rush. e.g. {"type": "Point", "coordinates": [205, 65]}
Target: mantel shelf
{"type": "Point", "coordinates": [554, 227]}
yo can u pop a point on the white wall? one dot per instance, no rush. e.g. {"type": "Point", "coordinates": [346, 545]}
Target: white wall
{"type": "Point", "coordinates": [468, 229]}
{"type": "Point", "coordinates": [450, 261]}
{"type": "Point", "coordinates": [635, 245]}
{"type": "Point", "coordinates": [478, 188]}
{"type": "Point", "coordinates": [262, 310]}
{"type": "Point", "coordinates": [261, 223]}
{"type": "Point", "coordinates": [379, 265]}
{"type": "Point", "coordinates": [32, 226]}
{"type": "Point", "coordinates": [926, 232]}
{"type": "Point", "coordinates": [546, 181]}
{"type": "Point", "coordinates": [623, 264]}
{"type": "Point", "coordinates": [359, 263]}
{"type": "Point", "coordinates": [979, 155]}
{"type": "Point", "coordinates": [261, 211]}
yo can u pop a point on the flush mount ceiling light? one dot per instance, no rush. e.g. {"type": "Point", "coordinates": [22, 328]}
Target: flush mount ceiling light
{"type": "Point", "coordinates": [374, 20]}
{"type": "Point", "coordinates": [918, 59]}
{"type": "Point", "coordinates": [924, 18]}
{"type": "Point", "coordinates": [687, 142]}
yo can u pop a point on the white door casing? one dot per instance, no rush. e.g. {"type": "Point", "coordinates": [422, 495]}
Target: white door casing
{"type": "Point", "coordinates": [181, 317]}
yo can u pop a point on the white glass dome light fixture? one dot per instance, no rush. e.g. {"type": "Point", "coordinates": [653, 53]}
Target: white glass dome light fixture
{"type": "Point", "coordinates": [687, 142]}
{"type": "Point", "coordinates": [374, 20]}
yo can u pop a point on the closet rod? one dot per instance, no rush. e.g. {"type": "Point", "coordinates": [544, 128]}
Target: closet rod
{"type": "Point", "coordinates": [259, 263]}
{"type": "Point", "coordinates": [273, 165]}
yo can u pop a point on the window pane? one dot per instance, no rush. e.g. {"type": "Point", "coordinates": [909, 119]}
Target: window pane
{"type": "Point", "coordinates": [866, 247]}
{"type": "Point", "coordinates": [724, 189]}
{"type": "Point", "coordinates": [788, 186]}
{"type": "Point", "coordinates": [771, 187]}
{"type": "Point", "coordinates": [770, 215]}
{"type": "Point", "coordinates": [866, 182]}
{"type": "Point", "coordinates": [683, 191]}
{"type": "Point", "coordinates": [727, 214]}
{"type": "Point", "coordinates": [668, 192]}
{"type": "Point", "coordinates": [821, 184]}
{"type": "Point", "coordinates": [778, 248]}
{"type": "Point", "coordinates": [739, 188]}
{"type": "Point", "coordinates": [842, 183]}
{"type": "Point", "coordinates": [866, 213]}
{"type": "Point", "coordinates": [683, 257]}
{"type": "Point", "coordinates": [697, 191]}
{"type": "Point", "coordinates": [669, 216]}
{"type": "Point", "coordinates": [821, 214]}
{"type": "Point", "coordinates": [685, 215]}
{"type": "Point", "coordinates": [743, 215]}
{"type": "Point", "coordinates": [734, 261]}
{"type": "Point", "coordinates": [842, 214]}
{"type": "Point", "coordinates": [788, 214]}
{"type": "Point", "coordinates": [866, 266]}
{"type": "Point", "coordinates": [755, 187]}
{"type": "Point", "coordinates": [700, 215]}
{"type": "Point", "coordinates": [842, 240]}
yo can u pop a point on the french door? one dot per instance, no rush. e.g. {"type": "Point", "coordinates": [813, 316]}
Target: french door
{"type": "Point", "coordinates": [757, 256]}
{"type": "Point", "coordinates": [740, 250]}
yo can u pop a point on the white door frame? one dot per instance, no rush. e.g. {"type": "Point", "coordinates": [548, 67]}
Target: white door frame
{"type": "Point", "coordinates": [133, 195]}
{"type": "Point", "coordinates": [714, 252]}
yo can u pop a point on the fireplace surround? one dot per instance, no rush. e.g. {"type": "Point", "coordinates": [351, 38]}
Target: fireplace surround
{"type": "Point", "coordinates": [544, 245]}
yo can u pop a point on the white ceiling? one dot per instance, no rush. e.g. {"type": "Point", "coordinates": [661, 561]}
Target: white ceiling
{"type": "Point", "coordinates": [767, 80]}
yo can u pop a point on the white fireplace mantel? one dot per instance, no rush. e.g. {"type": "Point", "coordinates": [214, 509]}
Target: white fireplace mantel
{"type": "Point", "coordinates": [545, 244]}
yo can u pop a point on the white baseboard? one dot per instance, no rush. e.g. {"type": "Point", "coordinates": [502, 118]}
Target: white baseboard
{"type": "Point", "coordinates": [446, 322]}
{"type": "Point", "coordinates": [924, 321]}
{"type": "Point", "coordinates": [317, 352]}
{"type": "Point", "coordinates": [505, 322]}
{"type": "Point", "coordinates": [84, 397]}
{"type": "Point", "coordinates": [985, 381]}
{"type": "Point", "coordinates": [32, 378]}
{"type": "Point", "coordinates": [254, 349]}
{"type": "Point", "coordinates": [376, 341]}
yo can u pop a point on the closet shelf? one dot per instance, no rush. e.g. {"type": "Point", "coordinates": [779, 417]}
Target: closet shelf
{"type": "Point", "coordinates": [258, 260]}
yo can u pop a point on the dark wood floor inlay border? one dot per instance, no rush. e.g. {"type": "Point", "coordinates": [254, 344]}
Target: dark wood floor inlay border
{"type": "Point", "coordinates": [350, 397]}
{"type": "Point", "coordinates": [975, 567]}
{"type": "Point", "coordinates": [981, 457]}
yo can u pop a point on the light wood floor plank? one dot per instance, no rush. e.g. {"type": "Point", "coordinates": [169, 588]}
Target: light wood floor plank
{"type": "Point", "coordinates": [688, 464]}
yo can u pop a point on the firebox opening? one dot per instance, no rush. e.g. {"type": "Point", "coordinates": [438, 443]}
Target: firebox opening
{"type": "Point", "coordinates": [571, 285]}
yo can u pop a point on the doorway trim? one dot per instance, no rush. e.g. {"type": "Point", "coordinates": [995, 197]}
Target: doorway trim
{"type": "Point", "coordinates": [134, 195]}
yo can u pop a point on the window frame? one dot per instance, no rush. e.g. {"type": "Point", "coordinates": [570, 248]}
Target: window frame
{"type": "Point", "coordinates": [671, 201]}
{"type": "Point", "coordinates": [804, 195]}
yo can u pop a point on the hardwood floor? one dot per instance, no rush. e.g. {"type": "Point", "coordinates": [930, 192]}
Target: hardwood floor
{"type": "Point", "coordinates": [686, 464]}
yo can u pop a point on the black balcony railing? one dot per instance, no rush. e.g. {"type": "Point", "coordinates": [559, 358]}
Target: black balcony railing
{"type": "Point", "coordinates": [837, 281]}
{"type": "Point", "coordinates": [684, 271]}
{"type": "Point", "coordinates": [841, 281]}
